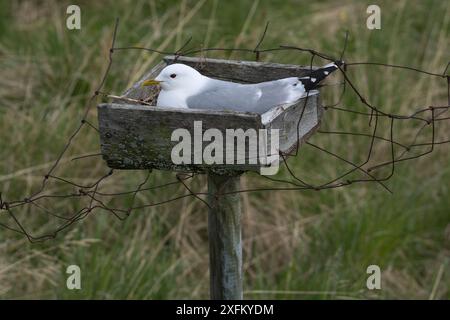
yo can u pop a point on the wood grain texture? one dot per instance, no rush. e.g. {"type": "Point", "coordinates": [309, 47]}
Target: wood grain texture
{"type": "Point", "coordinates": [139, 137]}
{"type": "Point", "coordinates": [225, 243]}
{"type": "Point", "coordinates": [297, 122]}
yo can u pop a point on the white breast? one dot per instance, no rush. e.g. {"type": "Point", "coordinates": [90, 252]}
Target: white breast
{"type": "Point", "coordinates": [171, 99]}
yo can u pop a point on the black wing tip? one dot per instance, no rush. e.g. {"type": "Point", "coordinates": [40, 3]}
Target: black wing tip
{"type": "Point", "coordinates": [315, 77]}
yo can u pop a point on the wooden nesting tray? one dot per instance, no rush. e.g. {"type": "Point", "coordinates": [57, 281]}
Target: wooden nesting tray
{"type": "Point", "coordinates": [138, 136]}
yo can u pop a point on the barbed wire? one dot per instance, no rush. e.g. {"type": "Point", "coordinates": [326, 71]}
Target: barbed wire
{"type": "Point", "coordinates": [428, 115]}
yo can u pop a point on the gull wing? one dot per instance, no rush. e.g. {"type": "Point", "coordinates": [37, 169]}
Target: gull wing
{"type": "Point", "coordinates": [260, 97]}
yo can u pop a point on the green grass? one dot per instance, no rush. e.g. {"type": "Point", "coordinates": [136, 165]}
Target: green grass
{"type": "Point", "coordinates": [297, 245]}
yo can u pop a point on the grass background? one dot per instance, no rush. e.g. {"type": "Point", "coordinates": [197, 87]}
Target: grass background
{"type": "Point", "coordinates": [297, 245]}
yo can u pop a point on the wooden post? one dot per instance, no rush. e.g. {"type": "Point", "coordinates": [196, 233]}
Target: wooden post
{"type": "Point", "coordinates": [224, 230]}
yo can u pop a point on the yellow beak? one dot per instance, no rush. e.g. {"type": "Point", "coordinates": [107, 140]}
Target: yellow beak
{"type": "Point", "coordinates": [150, 82]}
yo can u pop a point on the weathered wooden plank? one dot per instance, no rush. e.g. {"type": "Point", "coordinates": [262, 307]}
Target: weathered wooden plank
{"type": "Point", "coordinates": [225, 244]}
{"type": "Point", "coordinates": [139, 137]}
{"type": "Point", "coordinates": [296, 122]}
{"type": "Point", "coordinates": [241, 71]}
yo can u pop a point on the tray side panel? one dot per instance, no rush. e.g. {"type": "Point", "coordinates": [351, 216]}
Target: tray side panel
{"type": "Point", "coordinates": [241, 71]}
{"type": "Point", "coordinates": [139, 137]}
{"type": "Point", "coordinates": [297, 122]}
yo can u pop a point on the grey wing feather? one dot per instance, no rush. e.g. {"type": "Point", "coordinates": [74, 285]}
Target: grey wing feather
{"type": "Point", "coordinates": [222, 95]}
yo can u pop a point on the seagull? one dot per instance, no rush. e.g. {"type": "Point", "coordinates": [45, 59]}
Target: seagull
{"type": "Point", "coordinates": [185, 87]}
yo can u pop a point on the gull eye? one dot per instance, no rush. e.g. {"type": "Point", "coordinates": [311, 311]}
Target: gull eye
{"type": "Point", "coordinates": [173, 75]}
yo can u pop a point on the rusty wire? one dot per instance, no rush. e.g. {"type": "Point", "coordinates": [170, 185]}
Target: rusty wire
{"type": "Point", "coordinates": [429, 115]}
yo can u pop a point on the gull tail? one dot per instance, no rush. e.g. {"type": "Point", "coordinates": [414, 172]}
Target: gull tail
{"type": "Point", "coordinates": [312, 80]}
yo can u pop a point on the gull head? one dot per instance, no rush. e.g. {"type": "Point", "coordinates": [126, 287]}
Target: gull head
{"type": "Point", "coordinates": [177, 76]}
